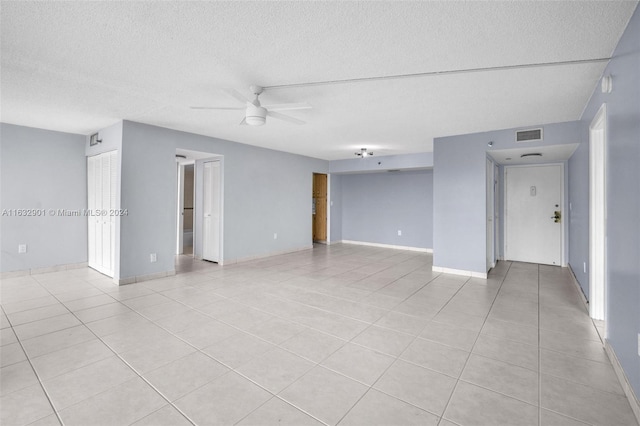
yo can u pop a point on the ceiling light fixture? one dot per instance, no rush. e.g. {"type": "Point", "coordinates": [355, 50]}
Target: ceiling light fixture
{"type": "Point", "coordinates": [363, 153]}
{"type": "Point", "coordinates": [532, 154]}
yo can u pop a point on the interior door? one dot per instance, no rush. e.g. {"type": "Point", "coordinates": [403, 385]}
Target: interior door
{"type": "Point", "coordinates": [320, 207]}
{"type": "Point", "coordinates": [102, 175]}
{"type": "Point", "coordinates": [211, 211]}
{"type": "Point", "coordinates": [533, 221]}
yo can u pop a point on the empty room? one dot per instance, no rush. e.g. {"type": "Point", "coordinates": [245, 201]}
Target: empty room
{"type": "Point", "coordinates": [320, 213]}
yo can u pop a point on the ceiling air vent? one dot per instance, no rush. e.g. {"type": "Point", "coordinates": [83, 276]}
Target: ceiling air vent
{"type": "Point", "coordinates": [529, 135]}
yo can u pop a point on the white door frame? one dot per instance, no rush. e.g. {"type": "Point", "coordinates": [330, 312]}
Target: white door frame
{"type": "Point", "coordinates": [496, 211]}
{"type": "Point", "coordinates": [490, 214]}
{"type": "Point", "coordinates": [180, 211]}
{"type": "Point", "coordinates": [562, 209]}
{"type": "Point", "coordinates": [598, 214]}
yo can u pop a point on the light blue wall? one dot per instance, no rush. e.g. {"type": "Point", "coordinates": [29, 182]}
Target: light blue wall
{"type": "Point", "coordinates": [459, 192]}
{"type": "Point", "coordinates": [623, 199]}
{"type": "Point", "coordinates": [42, 169]}
{"type": "Point", "coordinates": [265, 192]}
{"type": "Point", "coordinates": [376, 205]}
{"type": "Point", "coordinates": [335, 197]}
{"type": "Point", "coordinates": [380, 163]}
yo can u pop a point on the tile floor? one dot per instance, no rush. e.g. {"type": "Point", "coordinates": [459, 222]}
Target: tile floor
{"type": "Point", "coordinates": [344, 334]}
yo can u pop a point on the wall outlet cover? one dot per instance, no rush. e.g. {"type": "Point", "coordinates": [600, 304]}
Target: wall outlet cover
{"type": "Point", "coordinates": [22, 248]}
{"type": "Point", "coordinates": [153, 257]}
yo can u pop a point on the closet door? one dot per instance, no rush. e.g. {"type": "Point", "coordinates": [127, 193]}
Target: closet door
{"type": "Point", "coordinates": [101, 183]}
{"type": "Point", "coordinates": [92, 223]}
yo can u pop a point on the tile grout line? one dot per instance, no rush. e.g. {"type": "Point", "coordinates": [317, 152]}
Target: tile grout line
{"type": "Point", "coordinates": [44, 390]}
{"type": "Point", "coordinates": [125, 362]}
{"type": "Point", "coordinates": [539, 357]}
{"type": "Point", "coordinates": [474, 344]}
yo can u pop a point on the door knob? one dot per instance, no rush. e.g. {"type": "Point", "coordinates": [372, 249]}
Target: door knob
{"type": "Point", "coordinates": [556, 216]}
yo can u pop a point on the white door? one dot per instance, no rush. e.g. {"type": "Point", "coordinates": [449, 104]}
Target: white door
{"type": "Point", "coordinates": [180, 212]}
{"type": "Point", "coordinates": [101, 201]}
{"type": "Point", "coordinates": [211, 210]}
{"type": "Point", "coordinates": [490, 215]}
{"type": "Point", "coordinates": [533, 220]}
{"type": "Point", "coordinates": [597, 214]}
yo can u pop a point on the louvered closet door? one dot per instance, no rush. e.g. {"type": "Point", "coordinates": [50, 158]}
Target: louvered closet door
{"type": "Point", "coordinates": [101, 182]}
{"type": "Point", "coordinates": [92, 223]}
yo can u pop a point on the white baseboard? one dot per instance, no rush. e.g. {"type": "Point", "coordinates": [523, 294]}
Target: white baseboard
{"type": "Point", "coordinates": [624, 381]}
{"type": "Point", "coordinates": [148, 277]}
{"type": "Point", "coordinates": [45, 270]}
{"type": "Point", "coordinates": [462, 272]}
{"type": "Point", "coordinates": [262, 256]}
{"type": "Point", "coordinates": [390, 246]}
{"type": "Point", "coordinates": [578, 288]}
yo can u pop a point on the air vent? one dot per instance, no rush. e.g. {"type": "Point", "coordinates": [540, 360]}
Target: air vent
{"type": "Point", "coordinates": [529, 135]}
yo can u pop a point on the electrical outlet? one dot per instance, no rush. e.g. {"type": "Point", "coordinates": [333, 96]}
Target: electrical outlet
{"type": "Point", "coordinates": [399, 233]}
{"type": "Point", "coordinates": [153, 257]}
{"type": "Point", "coordinates": [22, 248]}
{"type": "Point", "coordinates": [275, 235]}
{"type": "Point", "coordinates": [584, 267]}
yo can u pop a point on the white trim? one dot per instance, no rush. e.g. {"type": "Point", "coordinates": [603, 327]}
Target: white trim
{"type": "Point", "coordinates": [565, 216]}
{"type": "Point", "coordinates": [390, 246]}
{"type": "Point", "coordinates": [598, 214]}
{"type": "Point", "coordinates": [262, 256]}
{"type": "Point", "coordinates": [328, 240]}
{"type": "Point", "coordinates": [148, 277]}
{"type": "Point", "coordinates": [462, 272]}
{"type": "Point", "coordinates": [585, 302]}
{"type": "Point", "coordinates": [624, 380]}
{"type": "Point", "coordinates": [43, 270]}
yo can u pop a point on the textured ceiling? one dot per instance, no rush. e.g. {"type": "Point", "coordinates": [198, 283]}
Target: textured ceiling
{"type": "Point", "coordinates": [81, 66]}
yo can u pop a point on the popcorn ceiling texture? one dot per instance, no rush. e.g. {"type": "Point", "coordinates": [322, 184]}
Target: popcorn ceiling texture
{"type": "Point", "coordinates": [81, 66]}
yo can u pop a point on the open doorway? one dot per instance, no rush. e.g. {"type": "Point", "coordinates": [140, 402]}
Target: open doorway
{"type": "Point", "coordinates": [199, 205]}
{"type": "Point", "coordinates": [187, 210]}
{"type": "Point", "coordinates": [185, 206]}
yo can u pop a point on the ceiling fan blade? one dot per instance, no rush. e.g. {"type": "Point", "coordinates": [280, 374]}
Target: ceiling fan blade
{"type": "Point", "coordinates": [284, 117]}
{"type": "Point", "coordinates": [218, 108]}
{"type": "Point", "coordinates": [237, 95]}
{"type": "Point", "coordinates": [243, 122]}
{"type": "Point", "coordinates": [287, 107]}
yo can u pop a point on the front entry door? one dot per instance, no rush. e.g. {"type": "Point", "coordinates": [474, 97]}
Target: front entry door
{"type": "Point", "coordinates": [533, 221]}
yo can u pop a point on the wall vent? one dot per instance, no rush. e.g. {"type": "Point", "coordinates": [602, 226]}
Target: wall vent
{"type": "Point", "coordinates": [529, 135]}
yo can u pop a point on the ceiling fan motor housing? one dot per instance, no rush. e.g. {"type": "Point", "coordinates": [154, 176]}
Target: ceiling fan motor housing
{"type": "Point", "coordinates": [256, 115]}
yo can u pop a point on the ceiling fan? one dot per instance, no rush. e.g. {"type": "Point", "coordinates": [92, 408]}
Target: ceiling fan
{"type": "Point", "coordinates": [255, 113]}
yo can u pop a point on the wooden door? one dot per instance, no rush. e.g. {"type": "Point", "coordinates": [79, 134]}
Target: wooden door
{"type": "Point", "coordinates": [320, 207]}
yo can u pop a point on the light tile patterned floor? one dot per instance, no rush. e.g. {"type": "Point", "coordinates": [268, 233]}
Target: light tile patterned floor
{"type": "Point", "coordinates": [344, 334]}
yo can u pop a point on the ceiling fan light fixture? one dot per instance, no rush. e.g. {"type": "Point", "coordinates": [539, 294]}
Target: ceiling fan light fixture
{"type": "Point", "coordinates": [256, 115]}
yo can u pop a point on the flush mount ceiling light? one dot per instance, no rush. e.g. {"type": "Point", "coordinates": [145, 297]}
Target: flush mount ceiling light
{"type": "Point", "coordinates": [363, 153]}
{"type": "Point", "coordinates": [532, 154]}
